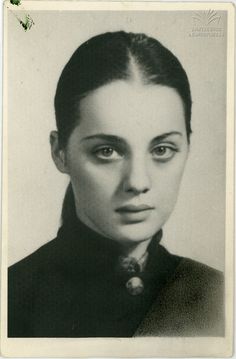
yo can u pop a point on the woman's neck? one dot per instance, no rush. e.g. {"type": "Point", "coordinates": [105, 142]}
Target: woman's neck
{"type": "Point", "coordinates": [137, 250]}
{"type": "Point", "coordinates": [128, 248]}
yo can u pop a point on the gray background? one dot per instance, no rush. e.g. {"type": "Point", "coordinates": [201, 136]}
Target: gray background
{"type": "Point", "coordinates": [35, 61]}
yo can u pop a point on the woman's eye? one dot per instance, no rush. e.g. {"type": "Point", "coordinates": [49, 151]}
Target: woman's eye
{"type": "Point", "coordinates": [163, 153]}
{"type": "Point", "coordinates": [108, 153]}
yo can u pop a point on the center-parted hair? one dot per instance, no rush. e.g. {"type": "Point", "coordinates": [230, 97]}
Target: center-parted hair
{"type": "Point", "coordinates": [116, 56]}
{"type": "Point", "coordinates": [105, 58]}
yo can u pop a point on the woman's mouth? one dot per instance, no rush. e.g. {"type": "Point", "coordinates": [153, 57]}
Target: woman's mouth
{"type": "Point", "coordinates": [134, 214]}
{"type": "Point", "coordinates": [130, 208]}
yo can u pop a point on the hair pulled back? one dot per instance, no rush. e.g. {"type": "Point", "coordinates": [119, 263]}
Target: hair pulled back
{"type": "Point", "coordinates": [107, 57]}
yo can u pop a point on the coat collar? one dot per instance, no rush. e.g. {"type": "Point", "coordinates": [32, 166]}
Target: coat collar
{"type": "Point", "coordinates": [87, 251]}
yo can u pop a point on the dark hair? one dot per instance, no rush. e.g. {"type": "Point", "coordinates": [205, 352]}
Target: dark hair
{"type": "Point", "coordinates": [108, 57]}
{"type": "Point", "coordinates": [103, 59]}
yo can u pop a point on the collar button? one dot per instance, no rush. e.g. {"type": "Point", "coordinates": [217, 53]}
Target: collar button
{"type": "Point", "coordinates": [135, 286]}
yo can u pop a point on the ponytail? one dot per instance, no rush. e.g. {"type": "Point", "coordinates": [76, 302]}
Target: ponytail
{"type": "Point", "coordinates": [68, 208]}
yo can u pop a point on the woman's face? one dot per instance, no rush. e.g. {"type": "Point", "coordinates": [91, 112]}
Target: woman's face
{"type": "Point", "coordinates": [126, 159]}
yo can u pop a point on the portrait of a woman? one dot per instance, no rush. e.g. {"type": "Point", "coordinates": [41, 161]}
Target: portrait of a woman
{"type": "Point", "coordinates": [123, 114]}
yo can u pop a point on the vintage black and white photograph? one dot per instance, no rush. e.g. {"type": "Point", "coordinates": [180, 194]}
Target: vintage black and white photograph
{"type": "Point", "coordinates": [118, 178]}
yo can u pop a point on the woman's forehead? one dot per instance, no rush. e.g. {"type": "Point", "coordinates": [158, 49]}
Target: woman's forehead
{"type": "Point", "coordinates": [127, 109]}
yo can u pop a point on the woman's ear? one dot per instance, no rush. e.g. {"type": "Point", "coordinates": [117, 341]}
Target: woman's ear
{"type": "Point", "coordinates": [58, 154]}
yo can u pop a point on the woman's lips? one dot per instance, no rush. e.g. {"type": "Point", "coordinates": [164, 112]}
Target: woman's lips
{"type": "Point", "coordinates": [134, 214]}
{"type": "Point", "coordinates": [134, 209]}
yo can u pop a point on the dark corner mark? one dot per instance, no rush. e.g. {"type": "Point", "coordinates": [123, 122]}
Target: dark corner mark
{"type": "Point", "coordinates": [15, 2]}
{"type": "Point", "coordinates": [27, 23]}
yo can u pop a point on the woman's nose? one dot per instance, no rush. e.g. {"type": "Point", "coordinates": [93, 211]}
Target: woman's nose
{"type": "Point", "coordinates": [136, 179]}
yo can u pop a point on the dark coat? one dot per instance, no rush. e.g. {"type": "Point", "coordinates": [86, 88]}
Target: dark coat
{"type": "Point", "coordinates": [191, 304]}
{"type": "Point", "coordinates": [72, 287]}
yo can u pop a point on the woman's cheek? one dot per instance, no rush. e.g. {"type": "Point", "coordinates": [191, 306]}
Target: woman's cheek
{"type": "Point", "coordinates": [96, 181]}
{"type": "Point", "coordinates": [167, 191]}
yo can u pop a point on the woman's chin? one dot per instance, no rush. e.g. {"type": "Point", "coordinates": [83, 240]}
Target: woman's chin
{"type": "Point", "coordinates": [136, 232]}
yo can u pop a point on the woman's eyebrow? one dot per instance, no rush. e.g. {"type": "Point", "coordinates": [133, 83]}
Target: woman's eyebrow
{"type": "Point", "coordinates": [104, 137]}
{"type": "Point", "coordinates": [165, 135]}
{"type": "Point", "coordinates": [117, 139]}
